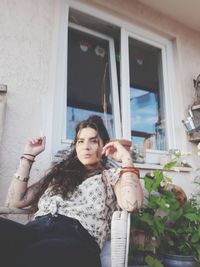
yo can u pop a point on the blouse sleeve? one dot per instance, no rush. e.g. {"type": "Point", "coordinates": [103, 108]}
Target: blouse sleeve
{"type": "Point", "coordinates": [112, 175]}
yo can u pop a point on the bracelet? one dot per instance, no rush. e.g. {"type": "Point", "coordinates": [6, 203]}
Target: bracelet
{"type": "Point", "coordinates": [130, 169]}
{"type": "Point", "coordinates": [29, 160]}
{"type": "Point", "coordinates": [134, 169]}
{"type": "Point", "coordinates": [27, 154]}
{"type": "Point", "coordinates": [22, 179]}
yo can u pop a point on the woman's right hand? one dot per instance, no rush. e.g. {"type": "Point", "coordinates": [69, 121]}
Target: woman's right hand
{"type": "Point", "coordinates": [35, 146]}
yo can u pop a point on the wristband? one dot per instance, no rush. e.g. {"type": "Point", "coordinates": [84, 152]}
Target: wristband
{"type": "Point", "coordinates": [130, 169]}
{"type": "Point", "coordinates": [20, 178]}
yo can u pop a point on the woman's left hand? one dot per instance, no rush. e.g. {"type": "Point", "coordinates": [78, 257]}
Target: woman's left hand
{"type": "Point", "coordinates": [115, 151]}
{"type": "Point", "coordinates": [35, 146]}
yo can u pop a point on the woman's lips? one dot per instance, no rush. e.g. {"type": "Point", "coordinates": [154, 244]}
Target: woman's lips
{"type": "Point", "coordinates": [86, 155]}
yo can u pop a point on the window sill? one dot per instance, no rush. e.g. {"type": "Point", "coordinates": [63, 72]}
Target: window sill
{"type": "Point", "coordinates": [144, 166]}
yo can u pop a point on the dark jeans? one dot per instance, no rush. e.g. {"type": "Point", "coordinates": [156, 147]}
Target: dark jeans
{"type": "Point", "coordinates": [47, 241]}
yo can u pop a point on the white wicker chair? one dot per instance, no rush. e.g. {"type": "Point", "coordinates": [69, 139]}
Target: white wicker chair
{"type": "Point", "coordinates": [120, 230]}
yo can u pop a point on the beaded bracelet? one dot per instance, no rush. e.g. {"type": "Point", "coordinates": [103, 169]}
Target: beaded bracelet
{"type": "Point", "coordinates": [130, 169]}
{"type": "Point", "coordinates": [20, 178]}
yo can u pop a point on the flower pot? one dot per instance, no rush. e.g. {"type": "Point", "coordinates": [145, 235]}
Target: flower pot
{"type": "Point", "coordinates": [125, 142]}
{"type": "Point", "coordinates": [170, 260]}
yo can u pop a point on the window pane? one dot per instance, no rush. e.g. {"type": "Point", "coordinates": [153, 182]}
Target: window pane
{"type": "Point", "coordinates": [75, 115]}
{"type": "Point", "coordinates": [146, 95]}
{"type": "Point", "coordinates": [89, 87]}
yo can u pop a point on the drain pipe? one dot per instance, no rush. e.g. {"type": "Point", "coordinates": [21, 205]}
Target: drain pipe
{"type": "Point", "coordinates": [3, 100]}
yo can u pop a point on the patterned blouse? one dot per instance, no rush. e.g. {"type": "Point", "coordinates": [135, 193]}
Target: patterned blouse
{"type": "Point", "coordinates": [92, 204]}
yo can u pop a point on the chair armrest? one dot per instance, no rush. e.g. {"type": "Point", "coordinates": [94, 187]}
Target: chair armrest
{"type": "Point", "coordinates": [120, 232]}
{"type": "Point", "coordinates": [5, 210]}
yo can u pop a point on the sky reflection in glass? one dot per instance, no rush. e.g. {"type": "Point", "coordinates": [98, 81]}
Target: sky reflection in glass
{"type": "Point", "coordinates": [144, 112]}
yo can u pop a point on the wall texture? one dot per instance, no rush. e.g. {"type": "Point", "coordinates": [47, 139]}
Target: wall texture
{"type": "Point", "coordinates": [28, 36]}
{"type": "Point", "coordinates": [26, 32]}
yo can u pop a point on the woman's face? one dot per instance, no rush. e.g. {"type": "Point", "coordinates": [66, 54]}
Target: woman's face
{"type": "Point", "coordinates": [89, 147]}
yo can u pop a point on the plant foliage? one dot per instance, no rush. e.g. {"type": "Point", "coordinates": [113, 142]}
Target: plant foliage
{"type": "Point", "coordinates": [163, 224]}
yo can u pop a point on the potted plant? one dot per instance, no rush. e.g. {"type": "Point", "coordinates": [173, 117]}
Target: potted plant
{"type": "Point", "coordinates": [181, 239]}
{"type": "Point", "coordinates": [147, 225]}
{"type": "Point", "coordinates": [166, 223]}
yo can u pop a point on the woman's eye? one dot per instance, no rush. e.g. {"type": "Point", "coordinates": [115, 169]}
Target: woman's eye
{"type": "Point", "coordinates": [94, 141]}
{"type": "Point", "coordinates": [80, 141]}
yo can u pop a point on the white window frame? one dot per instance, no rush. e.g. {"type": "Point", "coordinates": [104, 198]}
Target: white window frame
{"type": "Point", "coordinates": [113, 81]}
{"type": "Point", "coordinates": [139, 33]}
{"type": "Point", "coordinates": [166, 48]}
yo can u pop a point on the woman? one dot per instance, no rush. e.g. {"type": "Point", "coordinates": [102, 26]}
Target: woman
{"type": "Point", "coordinates": [72, 204]}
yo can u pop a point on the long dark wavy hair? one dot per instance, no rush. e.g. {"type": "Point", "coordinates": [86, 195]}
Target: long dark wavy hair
{"type": "Point", "coordinates": [66, 175]}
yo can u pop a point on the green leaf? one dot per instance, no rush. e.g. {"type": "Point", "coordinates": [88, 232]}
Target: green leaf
{"type": "Point", "coordinates": [169, 166]}
{"type": "Point", "coordinates": [147, 218]}
{"type": "Point", "coordinates": [153, 262]}
{"type": "Point", "coordinates": [175, 215]}
{"type": "Point", "coordinates": [148, 184]}
{"type": "Point", "coordinates": [167, 178]}
{"type": "Point", "coordinates": [195, 238]}
{"type": "Point", "coordinates": [192, 216]}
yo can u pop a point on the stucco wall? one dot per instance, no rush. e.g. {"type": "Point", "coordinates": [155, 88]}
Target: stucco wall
{"type": "Point", "coordinates": [26, 40]}
{"type": "Point", "coordinates": [28, 37]}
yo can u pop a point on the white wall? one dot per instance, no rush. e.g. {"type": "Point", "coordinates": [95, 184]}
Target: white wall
{"type": "Point", "coordinates": [27, 30]}
{"type": "Point", "coordinates": [28, 49]}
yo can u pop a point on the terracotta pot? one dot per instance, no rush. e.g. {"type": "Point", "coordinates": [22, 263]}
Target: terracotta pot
{"type": "Point", "coordinates": [125, 142]}
{"type": "Point", "coordinates": [138, 237]}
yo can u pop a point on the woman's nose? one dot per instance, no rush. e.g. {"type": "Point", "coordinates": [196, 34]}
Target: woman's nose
{"type": "Point", "coordinates": [86, 145]}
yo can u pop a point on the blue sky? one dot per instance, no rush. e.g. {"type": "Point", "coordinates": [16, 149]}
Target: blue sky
{"type": "Point", "coordinates": [144, 111]}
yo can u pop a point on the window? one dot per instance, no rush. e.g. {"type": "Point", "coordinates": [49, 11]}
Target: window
{"type": "Point", "coordinates": [120, 72]}
{"type": "Point", "coordinates": [92, 86]}
{"type": "Point", "coordinates": [89, 79]}
{"type": "Point", "coordinates": [145, 91]}
{"type": "Point", "coordinates": [146, 103]}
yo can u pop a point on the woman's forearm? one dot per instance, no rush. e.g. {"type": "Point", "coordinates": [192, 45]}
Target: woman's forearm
{"type": "Point", "coordinates": [16, 196]}
{"type": "Point", "coordinates": [128, 189]}
{"type": "Point", "coordinates": [19, 195]}
{"type": "Point", "coordinates": [131, 193]}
